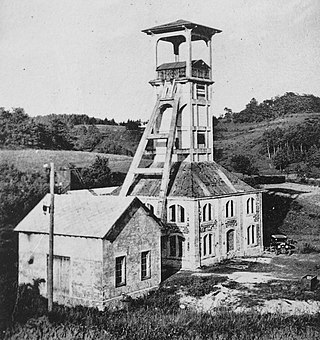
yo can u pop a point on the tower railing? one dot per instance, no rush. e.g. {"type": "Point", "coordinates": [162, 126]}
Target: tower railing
{"type": "Point", "coordinates": [180, 72]}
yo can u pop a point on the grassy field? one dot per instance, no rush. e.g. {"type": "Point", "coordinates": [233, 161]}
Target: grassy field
{"type": "Point", "coordinates": [33, 160]}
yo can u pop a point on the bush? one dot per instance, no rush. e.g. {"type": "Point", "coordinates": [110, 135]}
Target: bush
{"type": "Point", "coordinates": [308, 248]}
{"type": "Point", "coordinates": [29, 302]}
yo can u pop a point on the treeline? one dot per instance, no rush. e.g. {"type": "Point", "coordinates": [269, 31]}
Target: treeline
{"type": "Point", "coordinates": [289, 103]}
{"type": "Point", "coordinates": [83, 119]}
{"type": "Point", "coordinates": [64, 132]}
{"type": "Point", "coordinates": [294, 144]}
{"type": "Point", "coordinates": [75, 119]}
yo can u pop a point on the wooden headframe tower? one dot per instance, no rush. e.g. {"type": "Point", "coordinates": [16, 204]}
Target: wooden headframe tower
{"type": "Point", "coordinates": [180, 126]}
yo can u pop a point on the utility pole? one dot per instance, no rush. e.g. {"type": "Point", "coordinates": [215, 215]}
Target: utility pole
{"type": "Point", "coordinates": [51, 231]}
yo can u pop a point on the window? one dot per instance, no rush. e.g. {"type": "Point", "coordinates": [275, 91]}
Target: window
{"type": "Point", "coordinates": [176, 213]}
{"type": "Point", "coordinates": [150, 207]}
{"type": "Point", "coordinates": [251, 235]}
{"type": "Point", "coordinates": [120, 271]}
{"type": "Point", "coordinates": [61, 274]}
{"type": "Point", "coordinates": [207, 245]}
{"type": "Point", "coordinates": [145, 265]}
{"type": "Point", "coordinates": [207, 212]}
{"type": "Point", "coordinates": [250, 205]}
{"type": "Point", "coordinates": [201, 139]}
{"type": "Point", "coordinates": [230, 209]}
{"type": "Point", "coordinates": [176, 245]}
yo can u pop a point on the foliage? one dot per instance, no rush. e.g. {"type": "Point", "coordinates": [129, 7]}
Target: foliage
{"type": "Point", "coordinates": [228, 114]}
{"type": "Point", "coordinates": [289, 103]}
{"type": "Point", "coordinates": [19, 193]}
{"type": "Point", "coordinates": [60, 135]}
{"type": "Point", "coordinates": [299, 143]}
{"type": "Point", "coordinates": [87, 138]}
{"type": "Point", "coordinates": [150, 318]}
{"type": "Point", "coordinates": [132, 124]}
{"type": "Point", "coordinates": [63, 132]}
{"type": "Point", "coordinates": [243, 164]}
{"type": "Point", "coordinates": [71, 119]}
{"type": "Point", "coordinates": [308, 248]}
{"type": "Point", "coordinates": [97, 175]}
{"type": "Point", "coordinates": [29, 302]}
{"type": "Point", "coordinates": [281, 160]}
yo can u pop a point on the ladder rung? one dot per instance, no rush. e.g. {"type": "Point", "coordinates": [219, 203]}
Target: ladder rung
{"type": "Point", "coordinates": [159, 136]}
{"type": "Point", "coordinates": [149, 171]}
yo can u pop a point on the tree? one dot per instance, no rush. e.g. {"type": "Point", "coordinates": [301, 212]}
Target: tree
{"type": "Point", "coordinates": [228, 114]}
{"type": "Point", "coordinates": [243, 164]}
{"type": "Point", "coordinates": [98, 174]}
{"type": "Point", "coordinates": [60, 134]}
{"type": "Point", "coordinates": [281, 160]}
{"type": "Point", "coordinates": [133, 124]}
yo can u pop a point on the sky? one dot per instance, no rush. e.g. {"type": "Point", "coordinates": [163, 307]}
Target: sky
{"type": "Point", "coordinates": [81, 56]}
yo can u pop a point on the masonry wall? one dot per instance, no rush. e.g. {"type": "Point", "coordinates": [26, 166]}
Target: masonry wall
{"type": "Point", "coordinates": [141, 233]}
{"type": "Point", "coordinates": [85, 277]}
{"type": "Point", "coordinates": [237, 224]}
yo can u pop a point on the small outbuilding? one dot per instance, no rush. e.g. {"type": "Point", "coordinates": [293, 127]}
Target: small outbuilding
{"type": "Point", "coordinates": [104, 247]}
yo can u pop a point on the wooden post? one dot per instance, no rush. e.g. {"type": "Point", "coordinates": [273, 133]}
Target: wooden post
{"type": "Point", "coordinates": [51, 230]}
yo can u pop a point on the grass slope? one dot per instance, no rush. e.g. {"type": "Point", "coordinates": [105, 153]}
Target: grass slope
{"type": "Point", "coordinates": [33, 160]}
{"type": "Point", "coordinates": [246, 138]}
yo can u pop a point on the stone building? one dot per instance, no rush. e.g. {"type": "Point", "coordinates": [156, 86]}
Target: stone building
{"type": "Point", "coordinates": [210, 214]}
{"type": "Point", "coordinates": [104, 247]}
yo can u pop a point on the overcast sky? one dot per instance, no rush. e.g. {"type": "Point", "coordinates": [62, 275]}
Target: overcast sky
{"type": "Point", "coordinates": [81, 56]}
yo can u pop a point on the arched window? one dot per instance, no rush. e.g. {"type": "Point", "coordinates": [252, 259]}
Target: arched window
{"type": "Point", "coordinates": [150, 207]}
{"type": "Point", "coordinates": [250, 205]}
{"type": "Point", "coordinates": [230, 209]}
{"type": "Point", "coordinates": [252, 235]}
{"type": "Point", "coordinates": [207, 212]}
{"type": "Point", "coordinates": [207, 245]}
{"type": "Point", "coordinates": [176, 213]}
{"type": "Point", "coordinates": [176, 245]}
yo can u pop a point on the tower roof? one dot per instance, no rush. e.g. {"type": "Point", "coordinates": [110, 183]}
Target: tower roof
{"type": "Point", "coordinates": [197, 180]}
{"type": "Point", "coordinates": [180, 25]}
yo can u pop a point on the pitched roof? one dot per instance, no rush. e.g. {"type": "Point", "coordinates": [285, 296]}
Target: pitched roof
{"type": "Point", "coordinates": [78, 215]}
{"type": "Point", "coordinates": [178, 26]}
{"type": "Point", "coordinates": [202, 179]}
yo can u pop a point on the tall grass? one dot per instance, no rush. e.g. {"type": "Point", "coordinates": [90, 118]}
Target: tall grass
{"type": "Point", "coordinates": [156, 316]}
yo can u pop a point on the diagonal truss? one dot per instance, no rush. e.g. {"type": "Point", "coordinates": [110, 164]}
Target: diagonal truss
{"type": "Point", "coordinates": [170, 96]}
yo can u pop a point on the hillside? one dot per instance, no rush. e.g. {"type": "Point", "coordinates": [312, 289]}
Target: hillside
{"type": "Point", "coordinates": [247, 138]}
{"type": "Point", "coordinates": [117, 136]}
{"type": "Point", "coordinates": [33, 160]}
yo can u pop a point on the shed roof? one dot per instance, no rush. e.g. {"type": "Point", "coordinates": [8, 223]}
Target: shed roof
{"type": "Point", "coordinates": [197, 180]}
{"type": "Point", "coordinates": [78, 215]}
{"type": "Point", "coordinates": [178, 26]}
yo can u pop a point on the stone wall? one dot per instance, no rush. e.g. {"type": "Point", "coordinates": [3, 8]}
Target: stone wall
{"type": "Point", "coordinates": [141, 233]}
